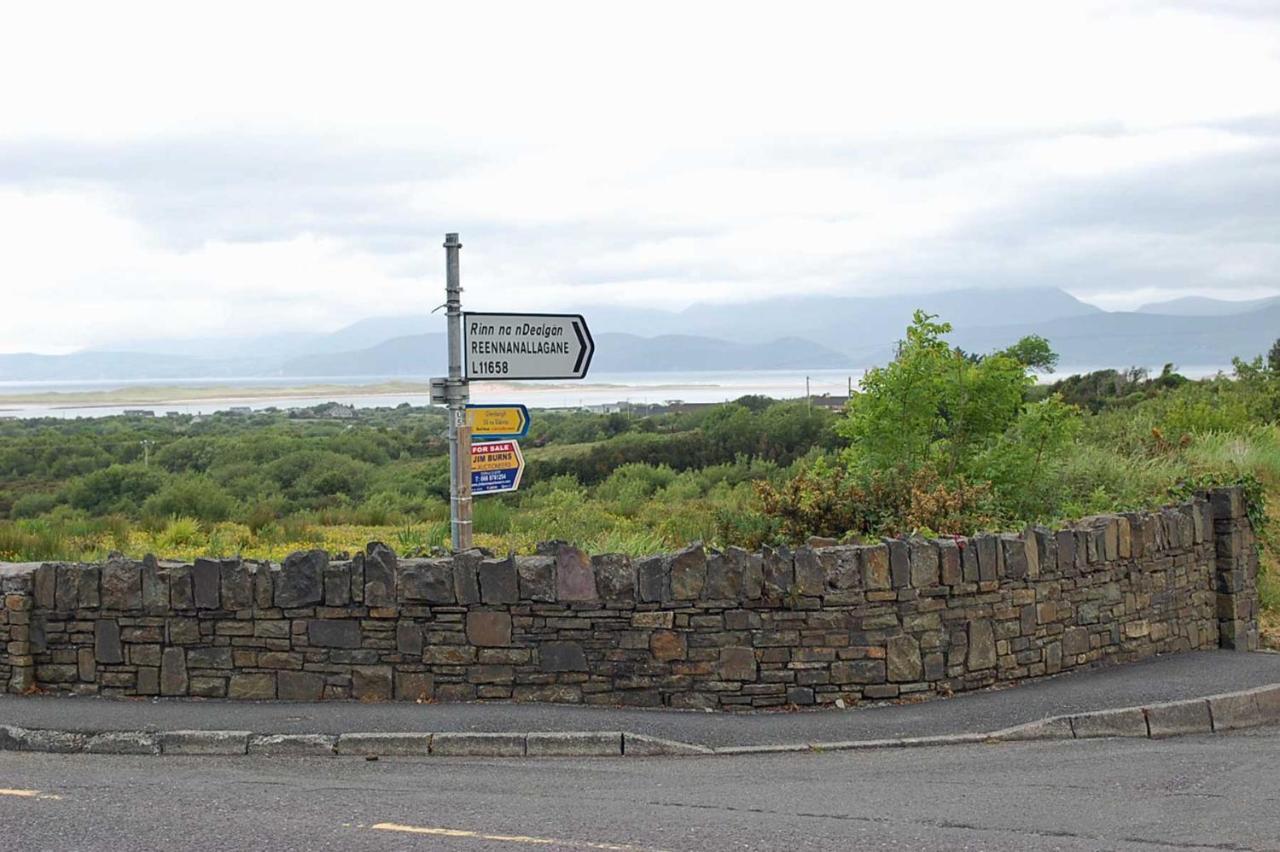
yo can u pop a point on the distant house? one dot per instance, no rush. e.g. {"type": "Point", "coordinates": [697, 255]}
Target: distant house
{"type": "Point", "coordinates": [240, 409]}
{"type": "Point", "coordinates": [829, 402]}
{"type": "Point", "coordinates": [138, 412]}
{"type": "Point", "coordinates": [336, 411]}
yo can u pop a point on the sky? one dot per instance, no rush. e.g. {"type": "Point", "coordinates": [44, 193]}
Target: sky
{"type": "Point", "coordinates": [230, 168]}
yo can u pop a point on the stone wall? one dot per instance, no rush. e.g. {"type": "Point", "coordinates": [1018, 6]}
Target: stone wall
{"type": "Point", "coordinates": [691, 629]}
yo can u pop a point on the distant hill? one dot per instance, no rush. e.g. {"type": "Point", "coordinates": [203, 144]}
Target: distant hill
{"type": "Point", "coordinates": [800, 332]}
{"type": "Point", "coordinates": [424, 354]}
{"type": "Point", "coordinates": [1200, 306]}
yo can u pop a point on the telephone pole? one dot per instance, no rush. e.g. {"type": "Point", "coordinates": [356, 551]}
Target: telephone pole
{"type": "Point", "coordinates": [457, 394]}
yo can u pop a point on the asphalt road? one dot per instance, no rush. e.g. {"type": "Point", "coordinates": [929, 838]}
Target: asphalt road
{"type": "Point", "coordinates": [1220, 792]}
{"type": "Point", "coordinates": [1165, 678]}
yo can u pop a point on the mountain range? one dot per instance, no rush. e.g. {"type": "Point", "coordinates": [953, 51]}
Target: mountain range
{"type": "Point", "coordinates": [790, 332]}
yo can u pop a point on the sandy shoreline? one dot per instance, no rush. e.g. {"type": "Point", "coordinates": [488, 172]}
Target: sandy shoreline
{"type": "Point", "coordinates": [232, 394]}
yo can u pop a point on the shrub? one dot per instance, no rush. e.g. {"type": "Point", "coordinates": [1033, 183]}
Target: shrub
{"type": "Point", "coordinates": [116, 489]}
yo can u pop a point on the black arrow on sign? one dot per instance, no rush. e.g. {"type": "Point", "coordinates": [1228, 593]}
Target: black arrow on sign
{"type": "Point", "coordinates": [585, 350]}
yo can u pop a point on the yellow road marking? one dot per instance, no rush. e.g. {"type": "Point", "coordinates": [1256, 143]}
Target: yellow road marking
{"type": "Point", "coordinates": [504, 838]}
{"type": "Point", "coordinates": [27, 794]}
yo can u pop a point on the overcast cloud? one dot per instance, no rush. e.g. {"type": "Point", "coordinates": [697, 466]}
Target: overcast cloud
{"type": "Point", "coordinates": [174, 169]}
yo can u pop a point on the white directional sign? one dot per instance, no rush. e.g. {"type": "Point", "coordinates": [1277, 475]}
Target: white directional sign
{"type": "Point", "coordinates": [526, 346]}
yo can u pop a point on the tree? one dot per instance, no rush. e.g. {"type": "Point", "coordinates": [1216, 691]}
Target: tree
{"type": "Point", "coordinates": [932, 405]}
{"type": "Point", "coordinates": [1033, 352]}
{"type": "Point", "coordinates": [1273, 357]}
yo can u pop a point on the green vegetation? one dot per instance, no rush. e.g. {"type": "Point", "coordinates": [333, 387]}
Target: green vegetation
{"type": "Point", "coordinates": [939, 441]}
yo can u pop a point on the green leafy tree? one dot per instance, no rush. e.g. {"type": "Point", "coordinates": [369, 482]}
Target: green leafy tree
{"type": "Point", "coordinates": [932, 405]}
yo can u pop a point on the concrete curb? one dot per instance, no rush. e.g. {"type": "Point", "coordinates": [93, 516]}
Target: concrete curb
{"type": "Point", "coordinates": [1228, 711]}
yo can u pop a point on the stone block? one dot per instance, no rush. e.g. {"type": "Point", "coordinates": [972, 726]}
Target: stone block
{"type": "Point", "coordinates": [65, 588]}
{"type": "Point", "coordinates": [923, 558]}
{"type": "Point", "coordinates": [982, 645]}
{"type": "Point", "coordinates": [209, 658]}
{"type": "Point", "coordinates": [537, 578]}
{"type": "Point", "coordinates": [426, 580]}
{"type": "Point", "coordinates": [810, 577]}
{"type": "Point", "coordinates": [990, 563]}
{"type": "Point", "coordinates": [562, 657]}
{"type": "Point", "coordinates": [653, 579]}
{"type": "Point", "coordinates": [498, 584]}
{"type": "Point", "coordinates": [385, 745]}
{"type": "Point", "coordinates": [182, 592]}
{"type": "Point", "coordinates": [300, 582]}
{"type": "Point", "coordinates": [381, 569]}
{"type": "Point", "coordinates": [1127, 722]}
{"type": "Point", "coordinates": [208, 687]}
{"type": "Point", "coordinates": [738, 663]}
{"type": "Point", "coordinates": [204, 742]}
{"type": "Point", "coordinates": [1179, 717]}
{"type": "Point", "coordinates": [452, 744]}
{"type": "Point", "coordinates": [334, 633]}
{"type": "Point", "coordinates": [236, 585]}
{"type": "Point", "coordinates": [121, 585]}
{"type": "Point", "coordinates": [371, 683]}
{"type": "Point", "coordinates": [44, 585]}
{"type": "Point", "coordinates": [488, 629]}
{"type": "Point", "coordinates": [415, 686]}
{"type": "Point", "coordinates": [337, 584]}
{"type": "Point", "coordinates": [1075, 640]}
{"type": "Point", "coordinates": [875, 568]}
{"type": "Point", "coordinates": [575, 581]}
{"type": "Point", "coordinates": [949, 561]}
{"type": "Point", "coordinates": [778, 568]}
{"type": "Point", "coordinates": [899, 562]}
{"type": "Point", "coordinates": [858, 671]}
{"type": "Point", "coordinates": [293, 745]}
{"type": "Point", "coordinates": [409, 638]}
{"type": "Point", "coordinates": [173, 672]}
{"type": "Point", "coordinates": [902, 658]}
{"type": "Point", "coordinates": [1015, 556]}
{"type": "Point", "coordinates": [615, 577]}
{"type": "Point", "coordinates": [87, 586]}
{"type": "Point", "coordinates": [123, 742]}
{"type": "Point", "coordinates": [252, 686]}
{"type": "Point", "coordinates": [299, 686]}
{"type": "Point", "coordinates": [466, 578]}
{"type": "Point", "coordinates": [668, 645]}
{"type": "Point", "coordinates": [106, 641]}
{"type": "Point", "coordinates": [574, 744]}
{"type": "Point", "coordinates": [206, 582]}
{"type": "Point", "coordinates": [724, 578]}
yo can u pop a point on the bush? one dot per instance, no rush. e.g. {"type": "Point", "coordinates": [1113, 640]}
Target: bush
{"type": "Point", "coordinates": [116, 489]}
{"type": "Point", "coordinates": [192, 497]}
{"type": "Point", "coordinates": [33, 505]}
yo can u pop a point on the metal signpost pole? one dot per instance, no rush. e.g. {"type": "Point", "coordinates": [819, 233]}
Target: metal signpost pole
{"type": "Point", "coordinates": [458, 394]}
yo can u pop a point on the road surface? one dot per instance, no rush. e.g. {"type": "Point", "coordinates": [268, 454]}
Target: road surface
{"type": "Point", "coordinates": [1219, 792]}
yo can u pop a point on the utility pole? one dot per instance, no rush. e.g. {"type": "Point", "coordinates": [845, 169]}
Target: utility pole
{"type": "Point", "coordinates": [457, 394]}
{"type": "Point", "coordinates": [808, 398]}
{"type": "Point", "coordinates": [146, 452]}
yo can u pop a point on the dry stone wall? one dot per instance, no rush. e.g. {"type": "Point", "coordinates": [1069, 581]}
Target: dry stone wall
{"type": "Point", "coordinates": [694, 629]}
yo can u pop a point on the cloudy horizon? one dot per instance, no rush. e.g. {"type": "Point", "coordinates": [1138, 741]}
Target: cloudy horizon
{"type": "Point", "coordinates": [248, 168]}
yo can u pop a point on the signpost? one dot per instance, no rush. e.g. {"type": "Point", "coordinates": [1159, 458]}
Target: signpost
{"type": "Point", "coordinates": [496, 467]}
{"type": "Point", "coordinates": [496, 346]}
{"type": "Point", "coordinates": [498, 422]}
{"type": "Point", "coordinates": [527, 346]}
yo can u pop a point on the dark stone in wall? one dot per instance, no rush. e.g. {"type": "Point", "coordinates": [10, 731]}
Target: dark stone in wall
{"type": "Point", "coordinates": [562, 657]}
{"type": "Point", "coordinates": [106, 641]}
{"type": "Point", "coordinates": [537, 578]}
{"type": "Point", "coordinates": [301, 579]}
{"type": "Point", "coordinates": [121, 585]}
{"type": "Point", "coordinates": [427, 580]}
{"type": "Point", "coordinates": [335, 633]}
{"type": "Point", "coordinates": [615, 576]}
{"type": "Point", "coordinates": [380, 571]}
{"type": "Point", "coordinates": [498, 581]}
{"type": "Point", "coordinates": [206, 579]}
{"type": "Point", "coordinates": [574, 578]}
{"type": "Point", "coordinates": [688, 573]}
{"type": "Point", "coordinates": [652, 576]}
